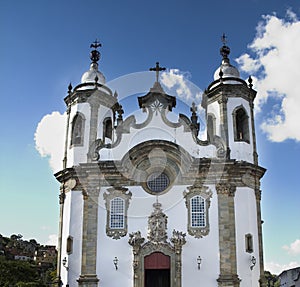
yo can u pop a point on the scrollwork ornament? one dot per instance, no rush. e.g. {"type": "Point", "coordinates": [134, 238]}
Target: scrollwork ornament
{"type": "Point", "coordinates": [226, 189]}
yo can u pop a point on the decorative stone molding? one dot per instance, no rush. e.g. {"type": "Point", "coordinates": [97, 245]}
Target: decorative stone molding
{"type": "Point", "coordinates": [225, 189]}
{"type": "Point", "coordinates": [228, 280]}
{"type": "Point", "coordinates": [157, 225]}
{"type": "Point", "coordinates": [125, 195]}
{"type": "Point", "coordinates": [202, 191]}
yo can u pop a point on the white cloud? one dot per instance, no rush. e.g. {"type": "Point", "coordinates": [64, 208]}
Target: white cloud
{"type": "Point", "coordinates": [49, 138]}
{"type": "Point", "coordinates": [276, 268]}
{"type": "Point", "coordinates": [52, 240]}
{"type": "Point", "coordinates": [275, 64]}
{"type": "Point", "coordinates": [293, 248]}
{"type": "Point", "coordinates": [178, 80]}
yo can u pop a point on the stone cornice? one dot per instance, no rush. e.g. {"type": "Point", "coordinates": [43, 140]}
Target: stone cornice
{"type": "Point", "coordinates": [229, 91]}
{"type": "Point", "coordinates": [114, 173]}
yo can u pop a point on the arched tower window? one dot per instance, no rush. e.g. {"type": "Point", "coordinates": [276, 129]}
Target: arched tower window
{"type": "Point", "coordinates": [211, 127]}
{"type": "Point", "coordinates": [107, 128]}
{"type": "Point", "coordinates": [241, 125]}
{"type": "Point", "coordinates": [77, 129]}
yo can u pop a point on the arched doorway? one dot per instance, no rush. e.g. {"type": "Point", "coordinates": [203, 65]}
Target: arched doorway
{"type": "Point", "coordinates": [157, 270]}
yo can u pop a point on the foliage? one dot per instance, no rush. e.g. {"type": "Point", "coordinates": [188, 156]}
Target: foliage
{"type": "Point", "coordinates": [272, 280]}
{"type": "Point", "coordinates": [13, 272]}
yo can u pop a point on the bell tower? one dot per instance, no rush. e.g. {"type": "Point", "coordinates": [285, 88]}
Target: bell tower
{"type": "Point", "coordinates": [228, 102]}
{"type": "Point", "coordinates": [91, 110]}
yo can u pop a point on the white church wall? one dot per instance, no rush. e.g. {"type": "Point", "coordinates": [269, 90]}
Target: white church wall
{"type": "Point", "coordinates": [239, 150]}
{"type": "Point", "coordinates": [140, 207]}
{"type": "Point", "coordinates": [207, 248]}
{"type": "Point", "coordinates": [65, 233]}
{"type": "Point", "coordinates": [74, 259]}
{"type": "Point", "coordinates": [158, 130]}
{"type": "Point", "coordinates": [246, 223]}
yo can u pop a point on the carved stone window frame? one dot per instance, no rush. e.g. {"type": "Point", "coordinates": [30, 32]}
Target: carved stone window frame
{"type": "Point", "coordinates": [206, 194]}
{"type": "Point", "coordinates": [81, 117]}
{"type": "Point", "coordinates": [125, 195]}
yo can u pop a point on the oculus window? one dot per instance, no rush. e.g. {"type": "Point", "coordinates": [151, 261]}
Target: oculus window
{"type": "Point", "coordinates": [157, 182]}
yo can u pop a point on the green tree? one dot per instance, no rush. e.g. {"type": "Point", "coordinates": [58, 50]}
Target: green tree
{"type": "Point", "coordinates": [14, 272]}
{"type": "Point", "coordinates": [272, 280]}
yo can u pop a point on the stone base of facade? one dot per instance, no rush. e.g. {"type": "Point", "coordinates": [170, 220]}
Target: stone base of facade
{"type": "Point", "coordinates": [88, 280]}
{"type": "Point", "coordinates": [228, 280]}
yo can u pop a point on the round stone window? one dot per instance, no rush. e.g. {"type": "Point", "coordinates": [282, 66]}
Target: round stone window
{"type": "Point", "coordinates": [158, 182]}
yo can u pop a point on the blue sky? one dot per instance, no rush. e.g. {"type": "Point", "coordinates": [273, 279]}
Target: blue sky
{"type": "Point", "coordinates": [45, 46]}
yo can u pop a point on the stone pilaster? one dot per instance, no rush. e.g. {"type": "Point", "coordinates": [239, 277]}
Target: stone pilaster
{"type": "Point", "coordinates": [227, 241]}
{"type": "Point", "coordinates": [255, 155]}
{"type": "Point", "coordinates": [62, 196]}
{"type": "Point", "coordinates": [88, 277]}
{"type": "Point", "coordinates": [93, 123]}
{"type": "Point", "coordinates": [224, 119]}
{"type": "Point", "coordinates": [262, 279]}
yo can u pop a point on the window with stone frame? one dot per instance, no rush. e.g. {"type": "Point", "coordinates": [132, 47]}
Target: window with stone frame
{"type": "Point", "coordinates": [197, 200]}
{"type": "Point", "coordinates": [197, 211]}
{"type": "Point", "coordinates": [77, 133]}
{"type": "Point", "coordinates": [117, 204]}
{"type": "Point", "coordinates": [241, 125]}
{"type": "Point", "coordinates": [117, 213]}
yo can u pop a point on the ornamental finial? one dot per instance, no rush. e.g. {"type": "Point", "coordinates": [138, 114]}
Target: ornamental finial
{"type": "Point", "coordinates": [225, 50]}
{"type": "Point", "coordinates": [95, 54]}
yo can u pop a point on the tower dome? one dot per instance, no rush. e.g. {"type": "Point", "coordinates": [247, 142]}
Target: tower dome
{"type": "Point", "coordinates": [90, 75]}
{"type": "Point", "coordinates": [226, 69]}
{"type": "Point", "coordinates": [93, 73]}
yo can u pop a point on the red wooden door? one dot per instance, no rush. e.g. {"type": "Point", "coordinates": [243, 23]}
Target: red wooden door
{"type": "Point", "coordinates": [157, 260]}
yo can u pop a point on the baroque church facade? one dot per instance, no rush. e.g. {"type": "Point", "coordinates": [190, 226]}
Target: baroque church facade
{"type": "Point", "coordinates": [150, 204]}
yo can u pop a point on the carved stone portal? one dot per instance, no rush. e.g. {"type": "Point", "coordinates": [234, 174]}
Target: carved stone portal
{"type": "Point", "coordinates": [157, 242]}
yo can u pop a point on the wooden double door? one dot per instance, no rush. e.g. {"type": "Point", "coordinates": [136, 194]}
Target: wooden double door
{"type": "Point", "coordinates": [157, 270]}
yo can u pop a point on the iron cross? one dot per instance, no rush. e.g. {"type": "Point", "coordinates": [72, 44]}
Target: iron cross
{"type": "Point", "coordinates": [96, 44]}
{"type": "Point", "coordinates": [157, 69]}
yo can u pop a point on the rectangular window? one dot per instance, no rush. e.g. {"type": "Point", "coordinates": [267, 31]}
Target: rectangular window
{"type": "Point", "coordinates": [117, 213]}
{"type": "Point", "coordinates": [249, 243]}
{"type": "Point", "coordinates": [198, 218]}
{"type": "Point", "coordinates": [69, 244]}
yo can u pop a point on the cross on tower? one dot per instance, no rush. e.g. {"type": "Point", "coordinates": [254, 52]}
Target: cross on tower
{"type": "Point", "coordinates": [157, 69]}
{"type": "Point", "coordinates": [224, 39]}
{"type": "Point", "coordinates": [96, 44]}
